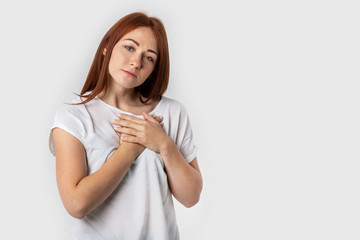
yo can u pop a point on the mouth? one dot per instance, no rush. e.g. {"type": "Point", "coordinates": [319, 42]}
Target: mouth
{"type": "Point", "coordinates": [130, 74]}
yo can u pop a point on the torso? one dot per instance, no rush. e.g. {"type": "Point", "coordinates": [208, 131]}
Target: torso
{"type": "Point", "coordinates": [125, 213]}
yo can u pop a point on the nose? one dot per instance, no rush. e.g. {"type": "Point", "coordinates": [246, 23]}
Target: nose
{"type": "Point", "coordinates": [136, 61]}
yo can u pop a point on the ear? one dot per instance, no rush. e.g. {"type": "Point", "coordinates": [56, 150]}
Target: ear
{"type": "Point", "coordinates": [104, 52]}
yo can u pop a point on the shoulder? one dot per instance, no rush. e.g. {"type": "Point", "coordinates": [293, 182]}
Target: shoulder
{"type": "Point", "coordinates": [71, 109]}
{"type": "Point", "coordinates": [174, 110]}
{"type": "Point", "coordinates": [173, 104]}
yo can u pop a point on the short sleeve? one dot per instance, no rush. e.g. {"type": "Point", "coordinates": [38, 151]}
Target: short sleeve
{"type": "Point", "coordinates": [67, 118]}
{"type": "Point", "coordinates": [185, 138]}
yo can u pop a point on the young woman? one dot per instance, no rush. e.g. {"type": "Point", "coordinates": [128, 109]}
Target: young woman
{"type": "Point", "coordinates": [122, 149]}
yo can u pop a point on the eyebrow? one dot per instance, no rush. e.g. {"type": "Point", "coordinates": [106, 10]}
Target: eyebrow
{"type": "Point", "coordinates": [137, 44]}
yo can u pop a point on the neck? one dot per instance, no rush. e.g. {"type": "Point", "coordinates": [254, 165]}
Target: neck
{"type": "Point", "coordinates": [120, 97]}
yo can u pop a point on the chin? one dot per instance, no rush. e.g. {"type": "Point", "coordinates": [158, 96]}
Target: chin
{"type": "Point", "coordinates": [127, 84]}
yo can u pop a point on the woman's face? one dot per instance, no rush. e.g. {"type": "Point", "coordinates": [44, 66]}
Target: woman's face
{"type": "Point", "coordinates": [133, 58]}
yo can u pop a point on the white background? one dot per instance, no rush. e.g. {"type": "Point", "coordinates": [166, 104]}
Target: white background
{"type": "Point", "coordinates": [272, 89]}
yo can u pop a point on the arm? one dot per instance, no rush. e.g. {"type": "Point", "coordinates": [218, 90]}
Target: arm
{"type": "Point", "coordinates": [80, 193]}
{"type": "Point", "coordinates": [185, 179]}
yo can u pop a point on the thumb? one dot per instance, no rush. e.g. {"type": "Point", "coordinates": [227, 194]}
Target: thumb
{"type": "Point", "coordinates": [149, 118]}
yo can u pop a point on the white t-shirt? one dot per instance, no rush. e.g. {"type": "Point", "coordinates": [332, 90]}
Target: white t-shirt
{"type": "Point", "coordinates": [141, 207]}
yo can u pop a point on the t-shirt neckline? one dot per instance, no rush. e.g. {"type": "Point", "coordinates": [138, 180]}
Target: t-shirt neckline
{"type": "Point", "coordinates": [129, 113]}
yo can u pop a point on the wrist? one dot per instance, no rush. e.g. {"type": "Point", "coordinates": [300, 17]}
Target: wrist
{"type": "Point", "coordinates": [133, 148]}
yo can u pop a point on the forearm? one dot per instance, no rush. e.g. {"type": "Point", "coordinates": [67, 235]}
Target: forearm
{"type": "Point", "coordinates": [184, 180]}
{"type": "Point", "coordinates": [93, 189]}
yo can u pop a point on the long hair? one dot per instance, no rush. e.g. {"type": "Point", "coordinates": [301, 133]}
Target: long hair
{"type": "Point", "coordinates": [98, 77]}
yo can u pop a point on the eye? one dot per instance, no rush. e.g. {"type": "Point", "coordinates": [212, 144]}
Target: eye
{"type": "Point", "coordinates": [129, 48]}
{"type": "Point", "coordinates": [149, 58]}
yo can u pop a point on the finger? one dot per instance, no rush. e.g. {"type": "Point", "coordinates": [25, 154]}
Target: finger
{"type": "Point", "coordinates": [125, 130]}
{"type": "Point", "coordinates": [128, 124]}
{"type": "Point", "coordinates": [131, 118]}
{"type": "Point", "coordinates": [123, 135]}
{"type": "Point", "coordinates": [116, 122]}
{"type": "Point", "coordinates": [158, 118]}
{"type": "Point", "coordinates": [149, 118]}
{"type": "Point", "coordinates": [129, 138]}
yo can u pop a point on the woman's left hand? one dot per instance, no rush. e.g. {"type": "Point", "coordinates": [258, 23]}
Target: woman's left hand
{"type": "Point", "coordinates": [147, 132]}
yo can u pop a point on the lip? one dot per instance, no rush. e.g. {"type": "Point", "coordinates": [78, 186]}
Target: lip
{"type": "Point", "coordinates": [131, 74]}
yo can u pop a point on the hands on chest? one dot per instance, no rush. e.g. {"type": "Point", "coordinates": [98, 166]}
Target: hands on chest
{"type": "Point", "coordinates": [147, 132]}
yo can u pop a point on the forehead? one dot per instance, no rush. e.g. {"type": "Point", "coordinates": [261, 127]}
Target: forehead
{"type": "Point", "coordinates": [144, 36]}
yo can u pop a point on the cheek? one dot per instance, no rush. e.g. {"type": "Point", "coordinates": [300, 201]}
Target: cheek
{"type": "Point", "coordinates": [114, 64]}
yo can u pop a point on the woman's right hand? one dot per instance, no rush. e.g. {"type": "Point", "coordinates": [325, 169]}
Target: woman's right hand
{"type": "Point", "coordinates": [138, 148]}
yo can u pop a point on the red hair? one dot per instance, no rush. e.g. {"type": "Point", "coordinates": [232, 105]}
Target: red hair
{"type": "Point", "coordinates": [98, 77]}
